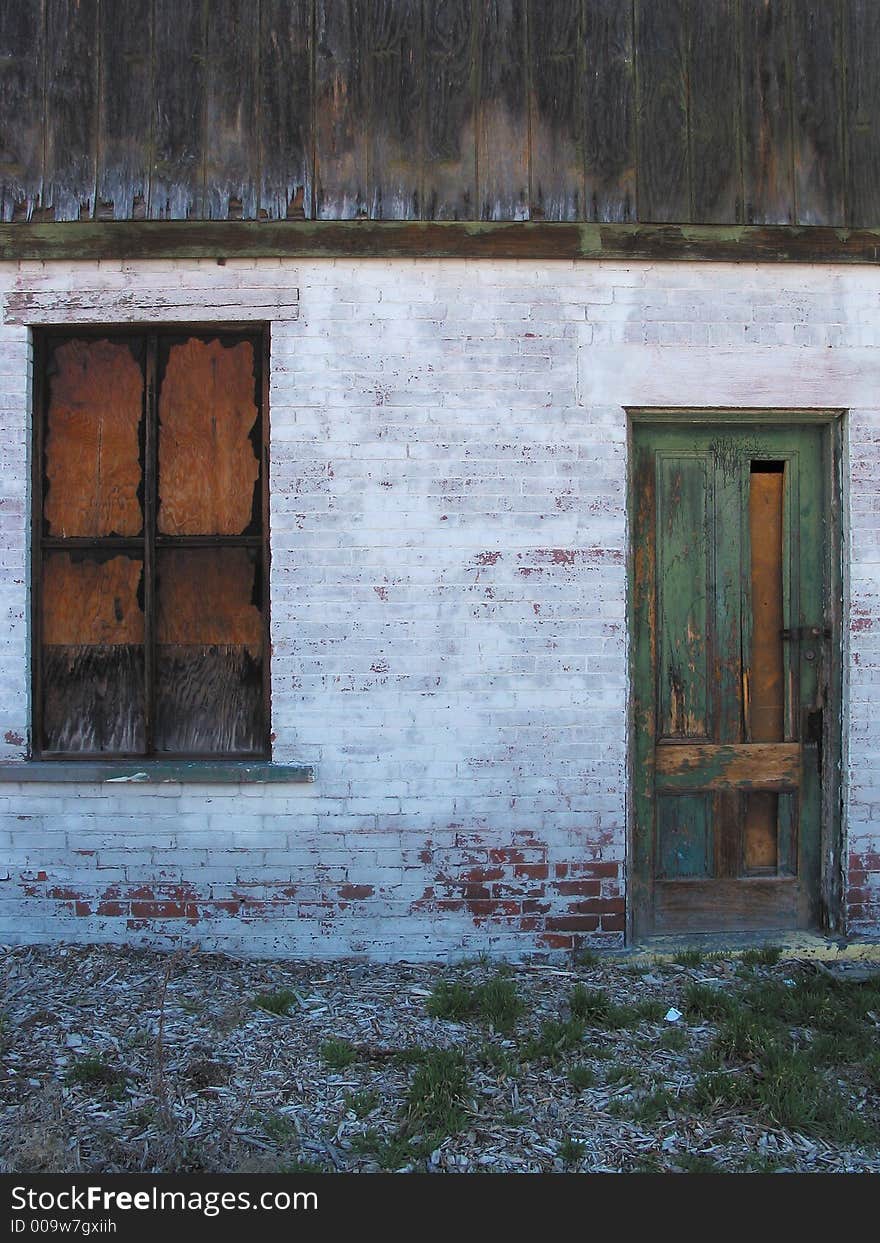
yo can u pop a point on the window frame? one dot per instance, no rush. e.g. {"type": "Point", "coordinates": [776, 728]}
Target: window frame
{"type": "Point", "coordinates": [149, 542]}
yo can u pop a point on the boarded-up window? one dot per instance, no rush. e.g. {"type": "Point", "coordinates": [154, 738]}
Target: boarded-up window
{"type": "Point", "coordinates": [150, 557]}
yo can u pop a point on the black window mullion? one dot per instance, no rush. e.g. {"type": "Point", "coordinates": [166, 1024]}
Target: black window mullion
{"type": "Point", "coordinates": [151, 418]}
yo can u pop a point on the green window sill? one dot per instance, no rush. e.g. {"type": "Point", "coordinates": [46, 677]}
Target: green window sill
{"type": "Point", "coordinates": [158, 772]}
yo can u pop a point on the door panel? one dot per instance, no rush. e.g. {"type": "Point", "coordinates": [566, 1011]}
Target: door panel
{"type": "Point", "coordinates": [730, 667]}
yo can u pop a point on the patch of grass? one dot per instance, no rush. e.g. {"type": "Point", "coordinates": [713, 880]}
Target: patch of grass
{"type": "Point", "coordinates": [142, 1117]}
{"type": "Point", "coordinates": [94, 1072]}
{"type": "Point", "coordinates": [301, 1166]}
{"type": "Point", "coordinates": [761, 956]}
{"type": "Point", "coordinates": [653, 1106]}
{"type": "Point", "coordinates": [391, 1152]}
{"type": "Point", "coordinates": [695, 1163]}
{"type": "Point", "coordinates": [621, 1073]}
{"type": "Point", "coordinates": [338, 1054]}
{"type": "Point", "coordinates": [785, 1090]}
{"type": "Point", "coordinates": [688, 958]}
{"type": "Point", "coordinates": [278, 1002]}
{"type": "Point", "coordinates": [746, 1036]}
{"type": "Point", "coordinates": [495, 1001]}
{"type": "Point", "coordinates": [595, 1008]}
{"type": "Point", "coordinates": [437, 1095]}
{"type": "Point", "coordinates": [498, 1003]}
{"type": "Point", "coordinates": [360, 1103]}
{"type": "Point", "coordinates": [278, 1127]}
{"type": "Point", "coordinates": [571, 1150]}
{"type": "Point", "coordinates": [673, 1039]}
{"type": "Point", "coordinates": [599, 1052]}
{"type": "Point", "coordinates": [555, 1039]}
{"type": "Point", "coordinates": [581, 1076]}
{"type": "Point", "coordinates": [584, 959]}
{"type": "Point", "coordinates": [500, 1060]}
{"type": "Point", "coordinates": [703, 1001]}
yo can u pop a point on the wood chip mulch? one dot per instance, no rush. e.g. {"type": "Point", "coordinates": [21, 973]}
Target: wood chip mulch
{"type": "Point", "coordinates": [188, 1074]}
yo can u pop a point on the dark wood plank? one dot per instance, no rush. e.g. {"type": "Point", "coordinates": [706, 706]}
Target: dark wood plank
{"type": "Point", "coordinates": [232, 142]}
{"type": "Point", "coordinates": [727, 905]}
{"type": "Point", "coordinates": [71, 107]}
{"type": "Point", "coordinates": [556, 75]}
{"type": "Point", "coordinates": [393, 110]}
{"type": "Point", "coordinates": [93, 699]}
{"type": "Point", "coordinates": [340, 102]}
{"type": "Point", "coordinates": [862, 111]}
{"type": "Point", "coordinates": [209, 700]}
{"type": "Point", "coordinates": [502, 113]}
{"type": "Point", "coordinates": [177, 182]}
{"type": "Point", "coordinates": [716, 163]}
{"type": "Point", "coordinates": [408, 239]}
{"type": "Point", "coordinates": [285, 113]}
{"type": "Point", "coordinates": [22, 53]}
{"type": "Point", "coordinates": [768, 181]}
{"type": "Point", "coordinates": [661, 54]}
{"type": "Point", "coordinates": [125, 98]}
{"type": "Point", "coordinates": [609, 112]}
{"type": "Point", "coordinates": [817, 93]}
{"type": "Point", "coordinates": [449, 160]}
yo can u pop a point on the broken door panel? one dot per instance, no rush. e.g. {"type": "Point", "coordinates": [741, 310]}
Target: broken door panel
{"type": "Point", "coordinates": [93, 439]}
{"type": "Point", "coordinates": [209, 651]}
{"type": "Point", "coordinates": [728, 597]}
{"type": "Point", "coordinates": [93, 653]}
{"type": "Point", "coordinates": [683, 502]}
{"type": "Point", "coordinates": [209, 439]}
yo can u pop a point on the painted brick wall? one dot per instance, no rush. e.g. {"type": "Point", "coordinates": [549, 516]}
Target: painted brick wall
{"type": "Point", "coordinates": [448, 531]}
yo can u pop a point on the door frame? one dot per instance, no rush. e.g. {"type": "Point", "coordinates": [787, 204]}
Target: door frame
{"type": "Point", "coordinates": [831, 829]}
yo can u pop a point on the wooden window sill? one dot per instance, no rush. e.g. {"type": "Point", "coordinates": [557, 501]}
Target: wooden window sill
{"type": "Point", "coordinates": [156, 772]}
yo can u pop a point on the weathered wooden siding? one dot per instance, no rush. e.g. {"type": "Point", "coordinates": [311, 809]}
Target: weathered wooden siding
{"type": "Point", "coordinates": [690, 111]}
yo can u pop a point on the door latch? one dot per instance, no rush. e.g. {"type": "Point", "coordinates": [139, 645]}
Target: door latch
{"type": "Point", "coordinates": [805, 632]}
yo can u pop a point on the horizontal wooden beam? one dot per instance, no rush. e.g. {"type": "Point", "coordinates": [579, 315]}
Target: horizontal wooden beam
{"type": "Point", "coordinates": [369, 239]}
{"type": "Point", "coordinates": [740, 766]}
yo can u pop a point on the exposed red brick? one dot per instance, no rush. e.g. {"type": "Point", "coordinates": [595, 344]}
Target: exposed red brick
{"type": "Point", "coordinates": [579, 888]}
{"type": "Point", "coordinates": [113, 908]}
{"type": "Point", "coordinates": [554, 941]}
{"type": "Point", "coordinates": [613, 923]}
{"type": "Point", "coordinates": [572, 923]}
{"type": "Point", "coordinates": [82, 908]}
{"type": "Point", "coordinates": [533, 871]}
{"type": "Point", "coordinates": [356, 892]}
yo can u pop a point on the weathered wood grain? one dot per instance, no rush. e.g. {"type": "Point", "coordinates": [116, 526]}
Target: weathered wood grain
{"type": "Point", "coordinates": [206, 598]}
{"type": "Point", "coordinates": [124, 104]}
{"type": "Point", "coordinates": [177, 182]}
{"type": "Point", "coordinates": [714, 112]}
{"type": "Point", "coordinates": [91, 600]}
{"type": "Point", "coordinates": [768, 168]}
{"type": "Point", "coordinates": [745, 905]}
{"type": "Point", "coordinates": [712, 766]}
{"type": "Point", "coordinates": [817, 112]}
{"type": "Point", "coordinates": [609, 112]}
{"type": "Point", "coordinates": [208, 467]}
{"type": "Point", "coordinates": [341, 139]}
{"type": "Point", "coordinates": [502, 112]}
{"type": "Point", "coordinates": [21, 108]}
{"type": "Point", "coordinates": [449, 160]}
{"type": "Point", "coordinates": [71, 107]}
{"type": "Point", "coordinates": [286, 138]}
{"type": "Point", "coordinates": [232, 147]}
{"type": "Point", "coordinates": [93, 700]}
{"type": "Point", "coordinates": [862, 111]}
{"type": "Point", "coordinates": [393, 32]}
{"type": "Point", "coordinates": [209, 701]}
{"type": "Point", "coordinates": [556, 77]}
{"type": "Point", "coordinates": [661, 49]}
{"type": "Point", "coordinates": [92, 440]}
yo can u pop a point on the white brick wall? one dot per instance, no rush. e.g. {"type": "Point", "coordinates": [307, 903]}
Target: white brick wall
{"type": "Point", "coordinates": [448, 494]}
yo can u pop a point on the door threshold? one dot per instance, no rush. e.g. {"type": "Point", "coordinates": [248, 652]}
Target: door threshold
{"type": "Point", "coordinates": [799, 944]}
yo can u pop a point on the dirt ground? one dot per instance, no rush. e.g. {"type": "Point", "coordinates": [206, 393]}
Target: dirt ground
{"type": "Point", "coordinates": [132, 1060]}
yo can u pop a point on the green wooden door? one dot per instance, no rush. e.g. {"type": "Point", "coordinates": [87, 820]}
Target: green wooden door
{"type": "Point", "coordinates": [730, 675]}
